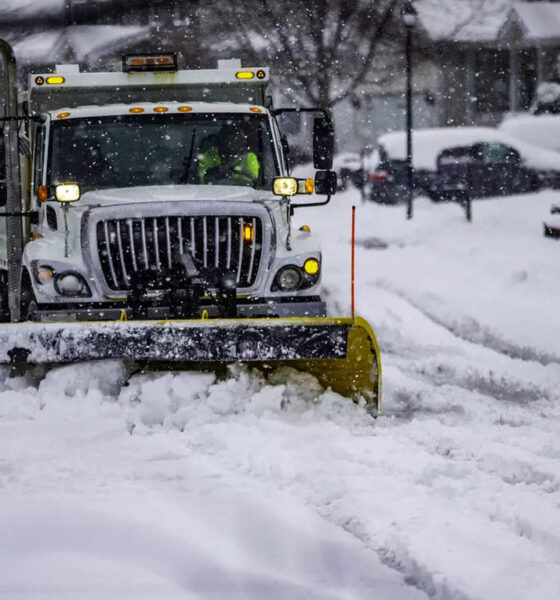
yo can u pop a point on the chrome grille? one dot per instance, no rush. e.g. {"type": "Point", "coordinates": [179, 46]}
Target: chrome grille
{"type": "Point", "coordinates": [126, 246]}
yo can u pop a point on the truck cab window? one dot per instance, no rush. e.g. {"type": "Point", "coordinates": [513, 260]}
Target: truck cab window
{"type": "Point", "coordinates": [142, 150]}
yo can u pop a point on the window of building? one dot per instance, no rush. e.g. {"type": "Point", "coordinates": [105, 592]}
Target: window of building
{"type": "Point", "coordinates": [492, 81]}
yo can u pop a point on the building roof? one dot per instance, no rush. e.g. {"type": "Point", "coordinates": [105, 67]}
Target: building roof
{"type": "Point", "coordinates": [538, 20]}
{"type": "Point", "coordinates": [84, 43]}
{"type": "Point", "coordinates": [463, 20]}
{"type": "Point", "coordinates": [30, 8]}
{"type": "Point", "coordinates": [37, 47]}
{"type": "Point", "coordinates": [488, 20]}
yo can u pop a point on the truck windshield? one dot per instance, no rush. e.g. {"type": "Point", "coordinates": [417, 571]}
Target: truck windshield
{"type": "Point", "coordinates": [163, 149]}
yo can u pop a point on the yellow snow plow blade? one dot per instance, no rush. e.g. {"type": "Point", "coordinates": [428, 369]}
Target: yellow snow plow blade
{"type": "Point", "coordinates": [341, 352]}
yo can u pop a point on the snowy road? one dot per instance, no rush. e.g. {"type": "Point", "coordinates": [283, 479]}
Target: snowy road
{"type": "Point", "coordinates": [179, 486]}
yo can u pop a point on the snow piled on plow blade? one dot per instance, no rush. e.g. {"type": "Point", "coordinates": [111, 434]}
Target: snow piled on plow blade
{"type": "Point", "coordinates": [341, 353]}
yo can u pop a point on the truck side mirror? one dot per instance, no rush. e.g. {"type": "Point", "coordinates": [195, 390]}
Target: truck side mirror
{"type": "Point", "coordinates": [3, 187]}
{"type": "Point", "coordinates": [325, 183]}
{"type": "Point", "coordinates": [323, 143]}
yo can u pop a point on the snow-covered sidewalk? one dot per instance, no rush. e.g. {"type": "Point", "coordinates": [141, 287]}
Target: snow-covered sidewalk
{"type": "Point", "coordinates": [182, 486]}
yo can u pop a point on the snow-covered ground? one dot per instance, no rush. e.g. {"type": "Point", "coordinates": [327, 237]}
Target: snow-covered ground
{"type": "Point", "coordinates": [183, 486]}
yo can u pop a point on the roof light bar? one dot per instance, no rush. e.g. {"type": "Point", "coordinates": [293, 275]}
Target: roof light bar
{"type": "Point", "coordinates": [150, 62]}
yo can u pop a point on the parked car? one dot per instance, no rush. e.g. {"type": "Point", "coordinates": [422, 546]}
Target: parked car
{"type": "Point", "coordinates": [348, 167]}
{"type": "Point", "coordinates": [539, 130]}
{"type": "Point", "coordinates": [454, 161]}
{"type": "Point", "coordinates": [481, 170]}
{"type": "Point", "coordinates": [552, 224]}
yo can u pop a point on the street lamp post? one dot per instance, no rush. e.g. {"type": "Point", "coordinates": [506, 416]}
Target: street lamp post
{"type": "Point", "coordinates": [409, 17]}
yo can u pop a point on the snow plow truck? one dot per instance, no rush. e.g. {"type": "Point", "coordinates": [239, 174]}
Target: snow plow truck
{"type": "Point", "coordinates": [146, 215]}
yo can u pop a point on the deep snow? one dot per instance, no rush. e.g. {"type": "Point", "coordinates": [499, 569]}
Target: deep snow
{"type": "Point", "coordinates": [177, 485]}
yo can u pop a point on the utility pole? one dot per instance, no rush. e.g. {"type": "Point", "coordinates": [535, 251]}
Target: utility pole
{"type": "Point", "coordinates": [409, 17]}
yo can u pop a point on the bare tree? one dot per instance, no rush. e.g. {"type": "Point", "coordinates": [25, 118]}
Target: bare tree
{"type": "Point", "coordinates": [322, 49]}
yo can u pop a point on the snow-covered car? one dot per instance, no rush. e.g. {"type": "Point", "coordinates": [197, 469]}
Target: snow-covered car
{"type": "Point", "coordinates": [552, 223]}
{"type": "Point", "coordinates": [348, 167]}
{"type": "Point", "coordinates": [480, 161]}
{"type": "Point", "coordinates": [539, 130]}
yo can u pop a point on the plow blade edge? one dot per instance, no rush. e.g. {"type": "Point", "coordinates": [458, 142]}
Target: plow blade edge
{"type": "Point", "coordinates": [342, 353]}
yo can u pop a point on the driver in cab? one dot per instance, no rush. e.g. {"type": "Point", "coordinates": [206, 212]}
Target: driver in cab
{"type": "Point", "coordinates": [230, 162]}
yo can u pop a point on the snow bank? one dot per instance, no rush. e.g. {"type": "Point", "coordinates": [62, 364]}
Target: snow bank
{"type": "Point", "coordinates": [131, 500]}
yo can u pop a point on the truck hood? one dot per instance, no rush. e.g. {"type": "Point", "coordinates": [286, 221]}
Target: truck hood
{"type": "Point", "coordinates": [174, 193]}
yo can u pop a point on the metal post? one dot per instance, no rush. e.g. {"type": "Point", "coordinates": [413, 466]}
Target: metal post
{"type": "Point", "coordinates": [409, 167]}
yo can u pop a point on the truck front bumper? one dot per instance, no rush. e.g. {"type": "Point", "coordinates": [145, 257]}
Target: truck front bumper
{"type": "Point", "coordinates": [311, 306]}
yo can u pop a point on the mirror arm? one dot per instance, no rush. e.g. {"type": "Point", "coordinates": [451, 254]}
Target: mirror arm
{"type": "Point", "coordinates": [293, 206]}
{"type": "Point", "coordinates": [32, 214]}
{"type": "Point", "coordinates": [35, 118]}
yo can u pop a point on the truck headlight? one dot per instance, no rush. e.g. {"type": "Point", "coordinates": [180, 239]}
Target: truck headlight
{"type": "Point", "coordinates": [67, 192]}
{"type": "Point", "coordinates": [311, 266]}
{"type": "Point", "coordinates": [289, 279]}
{"type": "Point", "coordinates": [71, 284]}
{"type": "Point", "coordinates": [44, 274]}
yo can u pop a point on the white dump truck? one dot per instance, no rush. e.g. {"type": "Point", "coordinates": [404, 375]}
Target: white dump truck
{"type": "Point", "coordinates": [153, 207]}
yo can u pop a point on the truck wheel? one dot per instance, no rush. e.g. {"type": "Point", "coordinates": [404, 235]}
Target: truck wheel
{"type": "Point", "coordinates": [4, 306]}
{"type": "Point", "coordinates": [28, 310]}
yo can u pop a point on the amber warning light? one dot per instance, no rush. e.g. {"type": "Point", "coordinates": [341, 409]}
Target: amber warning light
{"type": "Point", "coordinates": [149, 62]}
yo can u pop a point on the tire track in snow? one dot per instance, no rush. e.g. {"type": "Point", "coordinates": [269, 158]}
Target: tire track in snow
{"type": "Point", "coordinates": [453, 384]}
{"type": "Point", "coordinates": [343, 500]}
{"type": "Point", "coordinates": [470, 330]}
{"type": "Point", "coordinates": [525, 479]}
{"type": "Point", "coordinates": [465, 363]}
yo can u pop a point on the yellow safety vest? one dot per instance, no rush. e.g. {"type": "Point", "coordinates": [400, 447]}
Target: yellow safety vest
{"type": "Point", "coordinates": [246, 167]}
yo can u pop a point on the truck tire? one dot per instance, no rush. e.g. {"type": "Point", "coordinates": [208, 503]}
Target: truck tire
{"type": "Point", "coordinates": [28, 311]}
{"type": "Point", "coordinates": [4, 306]}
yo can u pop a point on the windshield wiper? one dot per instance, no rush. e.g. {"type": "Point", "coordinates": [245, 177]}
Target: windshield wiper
{"type": "Point", "coordinates": [185, 178]}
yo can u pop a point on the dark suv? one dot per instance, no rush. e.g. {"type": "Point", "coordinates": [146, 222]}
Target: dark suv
{"type": "Point", "coordinates": [483, 169]}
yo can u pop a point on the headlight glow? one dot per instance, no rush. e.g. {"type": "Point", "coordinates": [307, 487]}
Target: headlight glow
{"type": "Point", "coordinates": [67, 192]}
{"type": "Point", "coordinates": [285, 186]}
{"type": "Point", "coordinates": [311, 266]}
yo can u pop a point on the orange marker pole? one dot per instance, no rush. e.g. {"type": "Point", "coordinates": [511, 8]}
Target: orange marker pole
{"type": "Point", "coordinates": [353, 258]}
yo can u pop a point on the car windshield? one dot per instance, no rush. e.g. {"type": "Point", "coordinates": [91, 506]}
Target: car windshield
{"type": "Point", "coordinates": [162, 149]}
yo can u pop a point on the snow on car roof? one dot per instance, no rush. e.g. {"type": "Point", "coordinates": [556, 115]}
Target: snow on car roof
{"type": "Point", "coordinates": [173, 107]}
{"type": "Point", "coordinates": [429, 143]}
{"type": "Point", "coordinates": [540, 130]}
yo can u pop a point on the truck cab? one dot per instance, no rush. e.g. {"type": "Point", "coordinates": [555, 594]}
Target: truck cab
{"type": "Point", "coordinates": [159, 193]}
